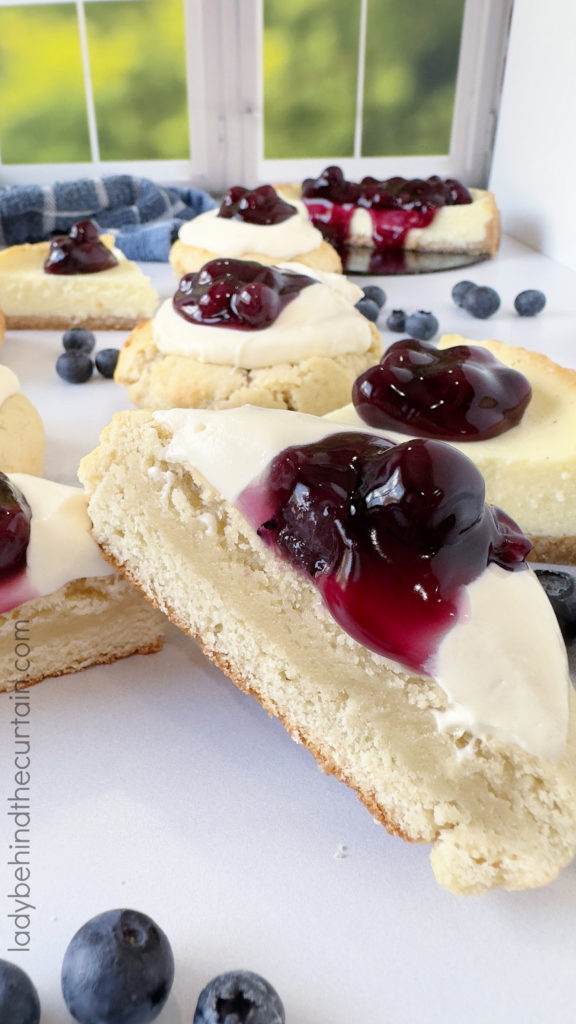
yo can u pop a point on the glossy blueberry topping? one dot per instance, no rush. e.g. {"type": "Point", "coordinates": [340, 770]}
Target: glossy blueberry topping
{"type": "Point", "coordinates": [79, 252]}
{"type": "Point", "coordinates": [240, 294]}
{"type": "Point", "coordinates": [260, 205]}
{"type": "Point", "coordinates": [390, 534]}
{"type": "Point", "coordinates": [19, 1003]}
{"type": "Point", "coordinates": [117, 969]}
{"type": "Point", "coordinates": [395, 204]}
{"type": "Point", "coordinates": [456, 394]}
{"type": "Point", "coordinates": [239, 997]}
{"type": "Point", "coordinates": [15, 516]}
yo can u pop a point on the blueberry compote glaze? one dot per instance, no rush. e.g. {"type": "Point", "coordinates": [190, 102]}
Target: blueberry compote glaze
{"type": "Point", "coordinates": [15, 517]}
{"type": "Point", "coordinates": [390, 534]}
{"type": "Point", "coordinates": [261, 205]}
{"type": "Point", "coordinates": [455, 394]}
{"type": "Point", "coordinates": [79, 252]}
{"type": "Point", "coordinates": [240, 294]}
{"type": "Point", "coordinates": [396, 205]}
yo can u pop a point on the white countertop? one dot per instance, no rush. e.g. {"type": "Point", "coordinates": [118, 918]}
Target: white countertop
{"type": "Point", "coordinates": [157, 785]}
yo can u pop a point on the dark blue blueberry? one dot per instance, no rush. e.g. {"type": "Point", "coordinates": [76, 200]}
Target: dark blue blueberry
{"type": "Point", "coordinates": [118, 969]}
{"type": "Point", "coordinates": [106, 361]}
{"type": "Point", "coordinates": [530, 302]}
{"type": "Point", "coordinates": [460, 290]}
{"type": "Point", "coordinates": [369, 309]}
{"type": "Point", "coordinates": [561, 590]}
{"type": "Point", "coordinates": [78, 339]}
{"type": "Point", "coordinates": [376, 293]}
{"type": "Point", "coordinates": [396, 321]}
{"type": "Point", "coordinates": [239, 997]}
{"type": "Point", "coordinates": [481, 302]}
{"type": "Point", "coordinates": [421, 325]}
{"type": "Point", "coordinates": [19, 1003]}
{"type": "Point", "coordinates": [74, 367]}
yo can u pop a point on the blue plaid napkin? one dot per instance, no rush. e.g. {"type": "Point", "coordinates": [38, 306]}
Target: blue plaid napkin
{"type": "Point", "coordinates": [143, 216]}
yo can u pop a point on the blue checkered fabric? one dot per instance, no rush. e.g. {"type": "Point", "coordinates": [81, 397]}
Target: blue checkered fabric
{"type": "Point", "coordinates": [143, 216]}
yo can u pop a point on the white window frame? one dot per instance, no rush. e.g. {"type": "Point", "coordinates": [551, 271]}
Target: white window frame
{"type": "Point", "coordinates": [225, 103]}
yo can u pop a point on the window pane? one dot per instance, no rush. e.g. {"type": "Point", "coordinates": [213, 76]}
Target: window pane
{"type": "Point", "coordinates": [139, 78]}
{"type": "Point", "coordinates": [411, 66]}
{"type": "Point", "coordinates": [42, 104]}
{"type": "Point", "coordinates": [310, 71]}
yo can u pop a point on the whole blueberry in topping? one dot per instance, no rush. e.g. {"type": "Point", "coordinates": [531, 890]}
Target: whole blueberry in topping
{"type": "Point", "coordinates": [239, 997]}
{"type": "Point", "coordinates": [530, 303]}
{"type": "Point", "coordinates": [79, 252]}
{"type": "Point", "coordinates": [462, 393]}
{"type": "Point", "coordinates": [19, 1003]}
{"type": "Point", "coordinates": [260, 205]}
{"type": "Point", "coordinates": [481, 302]}
{"type": "Point", "coordinates": [15, 516]}
{"type": "Point", "coordinates": [421, 325]}
{"type": "Point", "coordinates": [238, 294]}
{"type": "Point", "coordinates": [376, 294]}
{"type": "Point", "coordinates": [106, 361]}
{"type": "Point", "coordinates": [78, 339]}
{"type": "Point", "coordinates": [74, 367]}
{"type": "Point", "coordinates": [396, 321]}
{"type": "Point", "coordinates": [460, 291]}
{"type": "Point", "coordinates": [369, 309]}
{"type": "Point", "coordinates": [389, 533]}
{"type": "Point", "coordinates": [117, 969]}
{"type": "Point", "coordinates": [561, 590]}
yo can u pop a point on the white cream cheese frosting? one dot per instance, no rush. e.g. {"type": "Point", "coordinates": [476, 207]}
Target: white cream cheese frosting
{"type": "Point", "coordinates": [61, 545]}
{"type": "Point", "coordinates": [320, 321]}
{"type": "Point", "coordinates": [502, 665]}
{"type": "Point", "coordinates": [229, 237]}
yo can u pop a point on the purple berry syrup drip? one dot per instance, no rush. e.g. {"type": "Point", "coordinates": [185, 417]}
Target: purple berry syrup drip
{"type": "Point", "coordinates": [396, 205]}
{"type": "Point", "coordinates": [79, 252]}
{"type": "Point", "coordinates": [15, 516]}
{"type": "Point", "coordinates": [456, 394]}
{"type": "Point", "coordinates": [261, 205]}
{"type": "Point", "coordinates": [240, 294]}
{"type": "Point", "coordinates": [390, 534]}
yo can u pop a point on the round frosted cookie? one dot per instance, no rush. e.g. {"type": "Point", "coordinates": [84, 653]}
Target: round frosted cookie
{"type": "Point", "coordinates": [186, 259]}
{"type": "Point", "coordinates": [315, 385]}
{"type": "Point", "coordinates": [22, 438]}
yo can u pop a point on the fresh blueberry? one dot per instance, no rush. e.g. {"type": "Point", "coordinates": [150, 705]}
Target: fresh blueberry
{"type": "Point", "coordinates": [481, 302]}
{"type": "Point", "coordinates": [78, 339]}
{"type": "Point", "coordinates": [396, 321]}
{"type": "Point", "coordinates": [369, 309]}
{"type": "Point", "coordinates": [376, 293]}
{"type": "Point", "coordinates": [117, 969]}
{"type": "Point", "coordinates": [530, 302]}
{"type": "Point", "coordinates": [19, 1003]}
{"type": "Point", "coordinates": [460, 291]}
{"type": "Point", "coordinates": [239, 997]}
{"type": "Point", "coordinates": [421, 325]}
{"type": "Point", "coordinates": [74, 367]}
{"type": "Point", "coordinates": [106, 361]}
{"type": "Point", "coordinates": [561, 590]}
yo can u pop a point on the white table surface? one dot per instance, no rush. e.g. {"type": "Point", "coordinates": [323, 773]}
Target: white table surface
{"type": "Point", "coordinates": [157, 785]}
